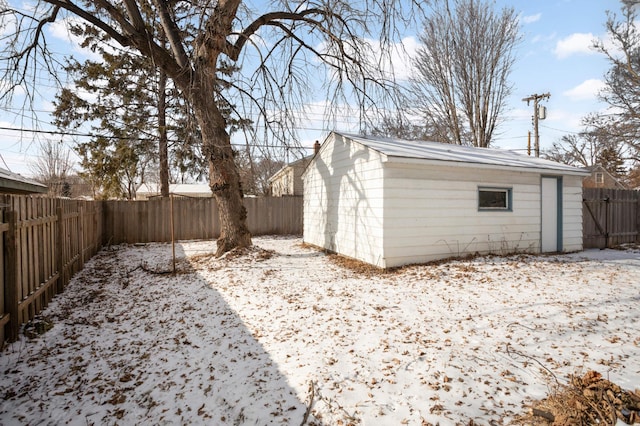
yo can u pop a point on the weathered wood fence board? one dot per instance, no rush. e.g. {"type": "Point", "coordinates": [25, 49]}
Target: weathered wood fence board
{"type": "Point", "coordinates": [44, 242]}
{"type": "Point", "coordinates": [194, 218]}
{"type": "Point", "coordinates": [276, 215]}
{"type": "Point", "coordinates": [610, 217]}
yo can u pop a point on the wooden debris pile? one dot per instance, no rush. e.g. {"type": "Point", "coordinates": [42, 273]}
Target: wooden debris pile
{"type": "Point", "coordinates": [589, 400]}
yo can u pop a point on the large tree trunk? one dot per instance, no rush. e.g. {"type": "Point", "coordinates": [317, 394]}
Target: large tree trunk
{"type": "Point", "coordinates": [201, 87]}
{"type": "Point", "coordinates": [225, 184]}
{"type": "Point", "coordinates": [224, 178]}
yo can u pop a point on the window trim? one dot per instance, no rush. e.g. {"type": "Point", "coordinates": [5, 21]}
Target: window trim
{"type": "Point", "coordinates": [599, 178]}
{"type": "Point", "coordinates": [509, 198]}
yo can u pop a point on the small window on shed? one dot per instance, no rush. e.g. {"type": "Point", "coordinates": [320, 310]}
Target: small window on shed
{"type": "Point", "coordinates": [494, 199]}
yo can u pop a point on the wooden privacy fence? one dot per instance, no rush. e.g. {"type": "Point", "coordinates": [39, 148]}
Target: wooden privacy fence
{"type": "Point", "coordinates": [610, 217]}
{"type": "Point", "coordinates": [44, 242]}
{"type": "Point", "coordinates": [194, 218]}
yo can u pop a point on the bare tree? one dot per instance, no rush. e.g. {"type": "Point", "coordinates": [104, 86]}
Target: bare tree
{"type": "Point", "coordinates": [202, 36]}
{"type": "Point", "coordinates": [633, 178]}
{"type": "Point", "coordinates": [592, 146]}
{"type": "Point", "coordinates": [622, 90]}
{"type": "Point", "coordinates": [52, 166]}
{"type": "Point", "coordinates": [397, 125]}
{"type": "Point", "coordinates": [255, 171]}
{"type": "Point", "coordinates": [460, 84]}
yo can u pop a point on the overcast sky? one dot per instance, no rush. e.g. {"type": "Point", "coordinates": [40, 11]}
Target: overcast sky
{"type": "Point", "coordinates": [555, 56]}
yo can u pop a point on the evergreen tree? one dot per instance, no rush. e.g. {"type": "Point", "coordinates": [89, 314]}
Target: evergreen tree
{"type": "Point", "coordinates": [122, 115]}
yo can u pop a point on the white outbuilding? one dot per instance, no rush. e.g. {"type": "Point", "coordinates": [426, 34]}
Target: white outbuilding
{"type": "Point", "coordinates": [391, 202]}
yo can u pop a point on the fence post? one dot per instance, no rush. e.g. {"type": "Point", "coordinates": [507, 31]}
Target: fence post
{"type": "Point", "coordinates": [81, 231]}
{"type": "Point", "coordinates": [638, 220]}
{"type": "Point", "coordinates": [11, 299]}
{"type": "Point", "coordinates": [173, 236]}
{"type": "Point", "coordinates": [606, 221]}
{"type": "Point", "coordinates": [60, 250]}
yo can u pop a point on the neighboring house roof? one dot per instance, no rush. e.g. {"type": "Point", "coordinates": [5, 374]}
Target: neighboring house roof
{"type": "Point", "coordinates": [14, 183]}
{"type": "Point", "coordinates": [188, 189]}
{"type": "Point", "coordinates": [403, 150]}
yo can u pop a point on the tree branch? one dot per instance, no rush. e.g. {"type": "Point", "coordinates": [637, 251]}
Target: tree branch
{"type": "Point", "coordinates": [93, 20]}
{"type": "Point", "coordinates": [173, 34]}
{"type": "Point", "coordinates": [38, 32]}
{"type": "Point", "coordinates": [234, 50]}
{"type": "Point", "coordinates": [135, 17]}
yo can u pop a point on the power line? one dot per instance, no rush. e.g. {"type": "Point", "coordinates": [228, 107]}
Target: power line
{"type": "Point", "coordinates": [560, 130]}
{"type": "Point", "coordinates": [57, 132]}
{"type": "Point", "coordinates": [54, 132]}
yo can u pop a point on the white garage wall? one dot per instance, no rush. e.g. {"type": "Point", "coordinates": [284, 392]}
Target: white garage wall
{"type": "Point", "coordinates": [572, 214]}
{"type": "Point", "coordinates": [344, 199]}
{"type": "Point", "coordinates": [394, 211]}
{"type": "Point", "coordinates": [432, 213]}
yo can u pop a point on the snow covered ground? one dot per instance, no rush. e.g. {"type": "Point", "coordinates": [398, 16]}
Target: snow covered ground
{"type": "Point", "coordinates": [284, 333]}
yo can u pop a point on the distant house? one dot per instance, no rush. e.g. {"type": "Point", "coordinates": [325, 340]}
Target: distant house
{"type": "Point", "coordinates": [288, 180]}
{"type": "Point", "coordinates": [600, 178]}
{"type": "Point", "coordinates": [391, 202]}
{"type": "Point", "coordinates": [149, 190]}
{"type": "Point", "coordinates": [13, 183]}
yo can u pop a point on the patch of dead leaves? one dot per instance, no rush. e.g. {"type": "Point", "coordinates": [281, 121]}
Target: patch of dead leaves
{"type": "Point", "coordinates": [586, 400]}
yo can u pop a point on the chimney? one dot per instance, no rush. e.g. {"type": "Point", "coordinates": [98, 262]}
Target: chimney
{"type": "Point", "coordinates": [316, 147]}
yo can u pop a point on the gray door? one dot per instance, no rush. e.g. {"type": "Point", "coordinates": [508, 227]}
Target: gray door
{"type": "Point", "coordinates": [550, 214]}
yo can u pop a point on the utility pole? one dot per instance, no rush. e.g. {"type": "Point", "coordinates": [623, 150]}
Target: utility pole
{"type": "Point", "coordinates": [538, 114]}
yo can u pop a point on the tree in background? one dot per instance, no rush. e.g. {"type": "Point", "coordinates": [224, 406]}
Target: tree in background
{"type": "Point", "coordinates": [461, 78]}
{"type": "Point", "coordinates": [398, 126]}
{"type": "Point", "coordinates": [584, 150]}
{"type": "Point", "coordinates": [612, 139]}
{"type": "Point", "coordinates": [113, 169]}
{"type": "Point", "coordinates": [117, 97]}
{"type": "Point", "coordinates": [53, 167]}
{"type": "Point", "coordinates": [127, 111]}
{"type": "Point", "coordinates": [256, 169]}
{"type": "Point", "coordinates": [622, 81]}
{"type": "Point", "coordinates": [109, 94]}
{"type": "Point", "coordinates": [201, 35]}
{"type": "Point", "coordinates": [633, 178]}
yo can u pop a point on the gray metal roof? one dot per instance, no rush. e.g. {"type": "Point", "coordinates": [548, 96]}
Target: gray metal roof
{"type": "Point", "coordinates": [14, 183]}
{"type": "Point", "coordinates": [435, 151]}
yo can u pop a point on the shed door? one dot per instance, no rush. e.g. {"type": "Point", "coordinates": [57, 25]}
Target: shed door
{"type": "Point", "coordinates": [549, 214]}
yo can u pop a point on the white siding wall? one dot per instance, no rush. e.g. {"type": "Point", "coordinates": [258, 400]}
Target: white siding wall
{"type": "Point", "coordinates": [431, 212]}
{"type": "Point", "coordinates": [572, 214]}
{"type": "Point", "coordinates": [298, 188]}
{"type": "Point", "coordinates": [343, 201]}
{"type": "Point", "coordinates": [288, 180]}
{"type": "Point", "coordinates": [289, 185]}
{"type": "Point", "coordinates": [282, 183]}
{"type": "Point", "coordinates": [392, 213]}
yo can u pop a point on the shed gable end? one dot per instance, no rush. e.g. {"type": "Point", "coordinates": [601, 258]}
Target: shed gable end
{"type": "Point", "coordinates": [343, 200]}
